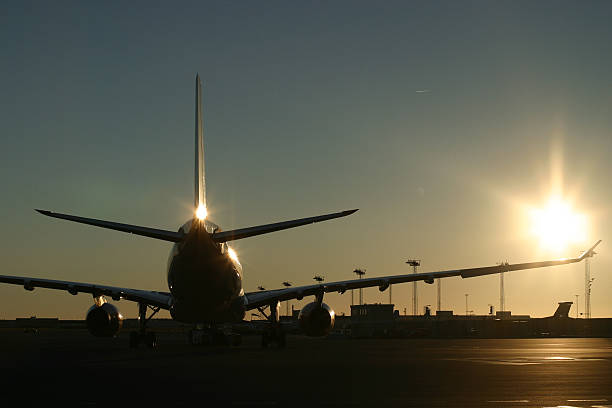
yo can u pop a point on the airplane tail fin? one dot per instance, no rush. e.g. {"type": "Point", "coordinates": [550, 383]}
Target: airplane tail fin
{"type": "Point", "coordinates": [199, 176]}
{"type": "Point", "coordinates": [563, 309]}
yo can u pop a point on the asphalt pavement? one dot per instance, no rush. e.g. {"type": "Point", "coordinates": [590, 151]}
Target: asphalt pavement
{"type": "Point", "coordinates": [76, 369]}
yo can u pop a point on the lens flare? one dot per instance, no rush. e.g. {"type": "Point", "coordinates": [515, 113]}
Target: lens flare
{"type": "Point", "coordinates": [232, 254]}
{"type": "Point", "coordinates": [557, 225]}
{"type": "Point", "coordinates": [201, 212]}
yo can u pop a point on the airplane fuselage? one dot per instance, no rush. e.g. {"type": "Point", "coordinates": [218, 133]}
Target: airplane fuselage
{"type": "Point", "coordinates": [204, 277]}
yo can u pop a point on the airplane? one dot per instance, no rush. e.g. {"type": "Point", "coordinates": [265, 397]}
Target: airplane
{"type": "Point", "coordinates": [205, 275]}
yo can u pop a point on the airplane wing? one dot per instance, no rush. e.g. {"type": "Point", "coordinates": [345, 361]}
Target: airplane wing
{"type": "Point", "coordinates": [263, 298]}
{"type": "Point", "coordinates": [224, 236]}
{"type": "Point", "coordinates": [157, 299]}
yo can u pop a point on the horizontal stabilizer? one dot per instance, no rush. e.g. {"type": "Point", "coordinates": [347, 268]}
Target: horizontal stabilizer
{"type": "Point", "coordinates": [132, 229]}
{"type": "Point", "coordinates": [224, 236]}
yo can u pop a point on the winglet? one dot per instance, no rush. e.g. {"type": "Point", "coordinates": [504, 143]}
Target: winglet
{"type": "Point", "coordinates": [589, 252]}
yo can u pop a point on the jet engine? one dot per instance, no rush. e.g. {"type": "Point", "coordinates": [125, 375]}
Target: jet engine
{"type": "Point", "coordinates": [104, 320]}
{"type": "Point", "coordinates": [316, 319]}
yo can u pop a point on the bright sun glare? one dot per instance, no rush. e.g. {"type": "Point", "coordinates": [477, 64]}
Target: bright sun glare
{"type": "Point", "coordinates": [557, 225]}
{"type": "Point", "coordinates": [232, 254]}
{"type": "Point", "coordinates": [201, 212]}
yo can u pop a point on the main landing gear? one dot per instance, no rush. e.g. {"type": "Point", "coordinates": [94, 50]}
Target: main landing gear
{"type": "Point", "coordinates": [142, 336]}
{"type": "Point", "coordinates": [273, 336]}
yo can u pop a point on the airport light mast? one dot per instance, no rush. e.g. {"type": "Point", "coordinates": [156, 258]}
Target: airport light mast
{"type": "Point", "coordinates": [502, 292]}
{"type": "Point", "coordinates": [577, 306]}
{"type": "Point", "coordinates": [439, 294]}
{"type": "Point", "coordinates": [287, 284]}
{"type": "Point", "coordinates": [587, 284]}
{"type": "Point", "coordinates": [415, 302]}
{"type": "Point", "coordinates": [360, 272]}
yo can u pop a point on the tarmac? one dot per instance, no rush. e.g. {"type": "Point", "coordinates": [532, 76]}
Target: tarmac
{"type": "Point", "coordinates": [75, 369]}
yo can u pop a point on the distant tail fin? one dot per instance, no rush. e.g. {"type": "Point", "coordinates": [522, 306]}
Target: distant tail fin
{"type": "Point", "coordinates": [199, 180]}
{"type": "Point", "coordinates": [563, 309]}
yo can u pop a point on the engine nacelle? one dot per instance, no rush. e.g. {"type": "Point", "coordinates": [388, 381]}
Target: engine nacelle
{"type": "Point", "coordinates": [104, 320]}
{"type": "Point", "coordinates": [316, 319]}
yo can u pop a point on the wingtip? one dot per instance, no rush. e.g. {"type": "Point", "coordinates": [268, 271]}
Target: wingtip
{"type": "Point", "coordinates": [349, 212]}
{"type": "Point", "coordinates": [43, 212]}
{"type": "Point", "coordinates": [590, 252]}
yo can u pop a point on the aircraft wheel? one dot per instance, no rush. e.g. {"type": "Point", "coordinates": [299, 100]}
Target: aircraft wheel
{"type": "Point", "coordinates": [151, 340]}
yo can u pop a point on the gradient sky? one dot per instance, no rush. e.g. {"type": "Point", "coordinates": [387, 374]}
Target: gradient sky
{"type": "Point", "coordinates": [309, 108]}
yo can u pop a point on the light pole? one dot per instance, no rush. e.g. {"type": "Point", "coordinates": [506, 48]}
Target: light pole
{"type": "Point", "coordinates": [439, 294]}
{"type": "Point", "coordinates": [576, 305]}
{"type": "Point", "coordinates": [466, 303]}
{"type": "Point", "coordinates": [360, 273]}
{"type": "Point", "coordinates": [287, 284]}
{"type": "Point", "coordinates": [415, 303]}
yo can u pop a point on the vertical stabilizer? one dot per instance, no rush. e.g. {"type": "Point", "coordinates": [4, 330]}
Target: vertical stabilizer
{"type": "Point", "coordinates": [563, 309]}
{"type": "Point", "coordinates": [199, 180]}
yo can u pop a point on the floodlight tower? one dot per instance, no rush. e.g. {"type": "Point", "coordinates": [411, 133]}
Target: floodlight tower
{"type": "Point", "coordinates": [415, 305]}
{"type": "Point", "coordinates": [587, 284]}
{"type": "Point", "coordinates": [287, 284]}
{"type": "Point", "coordinates": [502, 292]}
{"type": "Point", "coordinates": [439, 294]}
{"type": "Point", "coordinates": [577, 314]}
{"type": "Point", "coordinates": [587, 288]}
{"type": "Point", "coordinates": [360, 272]}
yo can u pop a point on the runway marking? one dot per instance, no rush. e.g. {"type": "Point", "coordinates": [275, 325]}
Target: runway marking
{"type": "Point", "coordinates": [562, 406]}
{"type": "Point", "coordinates": [516, 362]}
{"type": "Point", "coordinates": [587, 400]}
{"type": "Point", "coordinates": [526, 360]}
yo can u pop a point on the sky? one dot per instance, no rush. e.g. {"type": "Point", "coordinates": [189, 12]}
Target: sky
{"type": "Point", "coordinates": [309, 108]}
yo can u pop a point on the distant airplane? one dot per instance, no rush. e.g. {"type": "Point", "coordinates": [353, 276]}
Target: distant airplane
{"type": "Point", "coordinates": [205, 276]}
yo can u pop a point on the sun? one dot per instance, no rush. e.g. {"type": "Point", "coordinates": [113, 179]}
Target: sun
{"type": "Point", "coordinates": [201, 212]}
{"type": "Point", "coordinates": [557, 225]}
